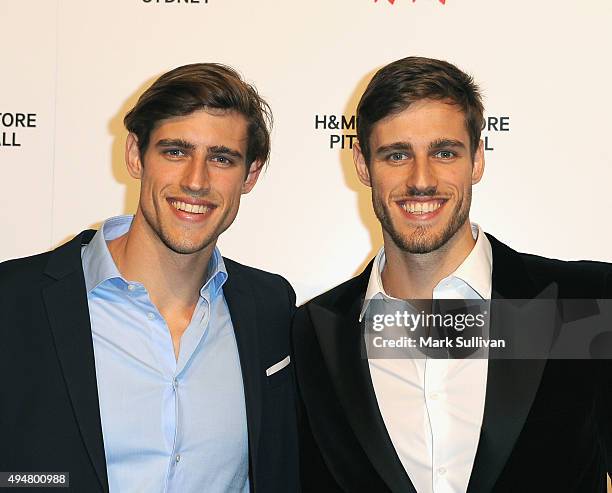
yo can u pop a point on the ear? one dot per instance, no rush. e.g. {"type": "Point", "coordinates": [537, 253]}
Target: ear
{"type": "Point", "coordinates": [363, 172]}
{"type": "Point", "coordinates": [252, 176]}
{"type": "Point", "coordinates": [132, 156]}
{"type": "Point", "coordinates": [479, 163]}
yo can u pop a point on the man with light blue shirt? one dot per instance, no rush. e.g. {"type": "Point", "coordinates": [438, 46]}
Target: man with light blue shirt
{"type": "Point", "coordinates": [144, 361]}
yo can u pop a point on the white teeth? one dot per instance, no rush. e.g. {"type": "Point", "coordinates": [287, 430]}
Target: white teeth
{"type": "Point", "coordinates": [191, 208]}
{"type": "Point", "coordinates": [421, 207]}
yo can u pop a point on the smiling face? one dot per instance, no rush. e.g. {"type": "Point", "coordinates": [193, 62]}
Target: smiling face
{"type": "Point", "coordinates": [421, 172]}
{"type": "Point", "coordinates": [192, 173]}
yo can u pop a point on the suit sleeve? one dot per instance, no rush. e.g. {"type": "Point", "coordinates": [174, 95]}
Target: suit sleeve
{"type": "Point", "coordinates": [608, 417]}
{"type": "Point", "coordinates": [607, 392]}
{"type": "Point", "coordinates": [315, 476]}
{"type": "Point", "coordinates": [291, 294]}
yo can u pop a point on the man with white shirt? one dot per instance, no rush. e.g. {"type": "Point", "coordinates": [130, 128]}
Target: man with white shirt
{"type": "Point", "coordinates": [376, 424]}
{"type": "Point", "coordinates": [137, 358]}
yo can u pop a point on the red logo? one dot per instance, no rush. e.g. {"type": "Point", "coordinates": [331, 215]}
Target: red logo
{"type": "Point", "coordinates": [393, 1]}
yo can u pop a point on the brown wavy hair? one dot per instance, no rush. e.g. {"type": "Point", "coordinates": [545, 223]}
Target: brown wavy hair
{"type": "Point", "coordinates": [198, 86]}
{"type": "Point", "coordinates": [403, 82]}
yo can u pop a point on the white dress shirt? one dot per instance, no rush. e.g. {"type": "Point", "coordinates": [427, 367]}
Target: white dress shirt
{"type": "Point", "coordinates": [433, 408]}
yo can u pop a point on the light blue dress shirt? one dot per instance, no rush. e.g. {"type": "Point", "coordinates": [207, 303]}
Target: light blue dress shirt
{"type": "Point", "coordinates": [168, 426]}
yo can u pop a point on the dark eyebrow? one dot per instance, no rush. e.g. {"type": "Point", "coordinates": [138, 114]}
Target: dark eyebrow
{"type": "Point", "coordinates": [179, 143]}
{"type": "Point", "coordinates": [445, 143]}
{"type": "Point", "coordinates": [225, 150]}
{"type": "Point", "coordinates": [395, 147]}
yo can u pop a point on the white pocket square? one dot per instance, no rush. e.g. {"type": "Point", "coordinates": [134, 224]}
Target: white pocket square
{"type": "Point", "coordinates": [278, 366]}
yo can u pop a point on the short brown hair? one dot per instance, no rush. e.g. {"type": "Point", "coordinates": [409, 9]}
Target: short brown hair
{"type": "Point", "coordinates": [200, 86]}
{"type": "Point", "coordinates": [403, 82]}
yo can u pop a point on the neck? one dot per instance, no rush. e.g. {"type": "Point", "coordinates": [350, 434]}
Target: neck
{"type": "Point", "coordinates": [173, 280]}
{"type": "Point", "coordinates": [414, 276]}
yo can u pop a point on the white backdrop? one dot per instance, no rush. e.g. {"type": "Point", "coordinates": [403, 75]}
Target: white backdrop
{"type": "Point", "coordinates": [77, 66]}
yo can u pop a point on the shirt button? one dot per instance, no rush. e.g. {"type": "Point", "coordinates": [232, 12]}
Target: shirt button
{"type": "Point", "coordinates": [150, 315]}
{"type": "Point", "coordinates": [442, 471]}
{"type": "Point", "coordinates": [177, 458]}
{"type": "Point", "coordinates": [175, 383]}
{"type": "Point", "coordinates": [131, 287]}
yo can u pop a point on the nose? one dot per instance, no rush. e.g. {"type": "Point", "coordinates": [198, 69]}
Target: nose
{"type": "Point", "coordinates": [195, 179]}
{"type": "Point", "coordinates": [422, 178]}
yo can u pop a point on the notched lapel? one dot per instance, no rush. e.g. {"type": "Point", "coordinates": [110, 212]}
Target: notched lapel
{"type": "Point", "coordinates": [341, 342]}
{"type": "Point", "coordinates": [239, 297]}
{"type": "Point", "coordinates": [66, 304]}
{"type": "Point", "coordinates": [512, 384]}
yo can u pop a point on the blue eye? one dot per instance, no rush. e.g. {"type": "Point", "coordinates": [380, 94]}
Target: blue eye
{"type": "Point", "coordinates": [445, 154]}
{"type": "Point", "coordinates": [398, 156]}
{"type": "Point", "coordinates": [174, 152]}
{"type": "Point", "coordinates": [222, 160]}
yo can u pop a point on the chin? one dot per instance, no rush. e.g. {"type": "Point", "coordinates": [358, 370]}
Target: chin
{"type": "Point", "coordinates": [419, 246]}
{"type": "Point", "coordinates": [419, 240]}
{"type": "Point", "coordinates": [185, 246]}
{"type": "Point", "coordinates": [183, 249]}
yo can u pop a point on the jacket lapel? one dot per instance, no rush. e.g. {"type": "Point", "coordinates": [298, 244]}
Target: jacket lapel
{"type": "Point", "coordinates": [65, 299]}
{"type": "Point", "coordinates": [341, 339]}
{"type": "Point", "coordinates": [239, 297]}
{"type": "Point", "coordinates": [512, 384]}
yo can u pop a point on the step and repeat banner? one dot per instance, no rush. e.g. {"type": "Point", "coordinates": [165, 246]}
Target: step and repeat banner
{"type": "Point", "coordinates": [72, 68]}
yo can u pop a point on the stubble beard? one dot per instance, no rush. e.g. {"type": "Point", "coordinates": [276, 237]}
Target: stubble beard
{"type": "Point", "coordinates": [183, 246]}
{"type": "Point", "coordinates": [422, 239]}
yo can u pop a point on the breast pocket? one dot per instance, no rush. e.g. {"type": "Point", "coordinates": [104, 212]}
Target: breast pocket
{"type": "Point", "coordinates": [279, 372]}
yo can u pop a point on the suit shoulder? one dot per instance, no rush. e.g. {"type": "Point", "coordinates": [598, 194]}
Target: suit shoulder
{"type": "Point", "coordinates": [254, 272]}
{"type": "Point", "coordinates": [256, 275]}
{"type": "Point", "coordinates": [566, 269]}
{"type": "Point", "coordinates": [344, 293]}
{"type": "Point", "coordinates": [337, 300]}
{"type": "Point", "coordinates": [23, 270]}
{"type": "Point", "coordinates": [576, 278]}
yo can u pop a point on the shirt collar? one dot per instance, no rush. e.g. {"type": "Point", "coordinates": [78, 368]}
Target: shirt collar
{"type": "Point", "coordinates": [475, 270]}
{"type": "Point", "coordinates": [99, 266]}
{"type": "Point", "coordinates": [477, 267]}
{"type": "Point", "coordinates": [216, 274]}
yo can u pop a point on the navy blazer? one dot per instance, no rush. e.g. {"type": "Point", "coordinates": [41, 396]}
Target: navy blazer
{"type": "Point", "coordinates": [49, 412]}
